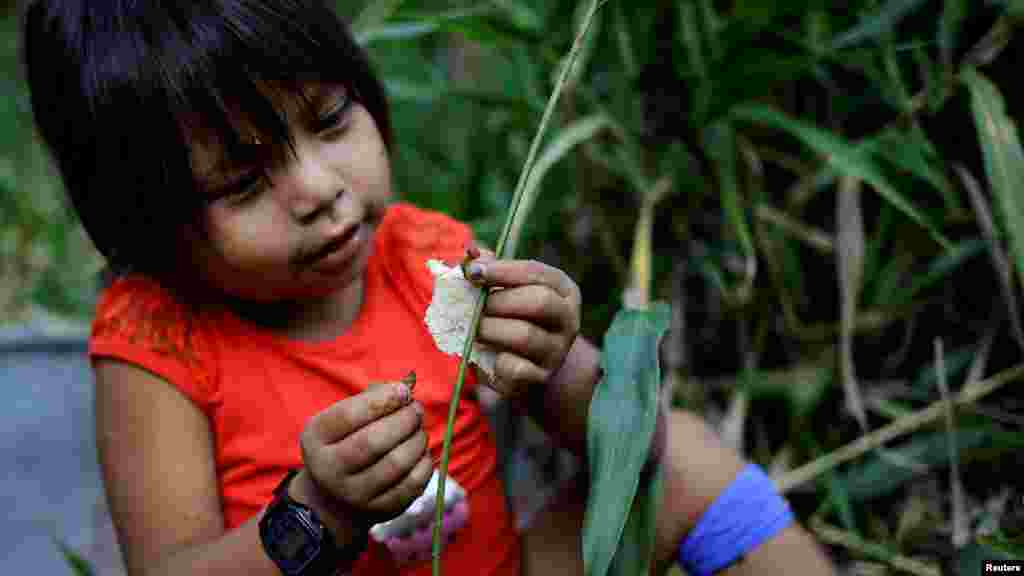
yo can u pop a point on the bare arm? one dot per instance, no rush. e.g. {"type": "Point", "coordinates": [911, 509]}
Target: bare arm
{"type": "Point", "coordinates": [697, 467]}
{"type": "Point", "coordinates": [156, 451]}
{"type": "Point", "coordinates": [157, 455]}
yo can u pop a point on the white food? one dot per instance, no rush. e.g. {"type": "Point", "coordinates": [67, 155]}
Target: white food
{"type": "Point", "coordinates": [421, 512]}
{"type": "Point", "coordinates": [450, 313]}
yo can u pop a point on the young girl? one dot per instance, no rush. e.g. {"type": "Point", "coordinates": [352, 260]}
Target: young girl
{"type": "Point", "coordinates": [230, 160]}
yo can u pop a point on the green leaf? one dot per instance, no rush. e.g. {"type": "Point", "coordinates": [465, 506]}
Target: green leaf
{"type": "Point", "coordinates": [879, 475]}
{"type": "Point", "coordinates": [624, 41]}
{"type": "Point", "coordinates": [912, 152]}
{"type": "Point", "coordinates": [954, 12]}
{"type": "Point", "coordinates": [636, 549]}
{"type": "Point", "coordinates": [721, 148]}
{"type": "Point", "coordinates": [1004, 158]}
{"type": "Point", "coordinates": [843, 156]}
{"type": "Point", "coordinates": [620, 426]}
{"type": "Point", "coordinates": [839, 497]}
{"type": "Point", "coordinates": [878, 24]}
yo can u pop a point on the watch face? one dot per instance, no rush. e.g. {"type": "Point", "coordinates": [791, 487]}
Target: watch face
{"type": "Point", "coordinates": [293, 542]}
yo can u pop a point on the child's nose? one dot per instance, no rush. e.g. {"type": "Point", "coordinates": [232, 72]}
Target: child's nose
{"type": "Point", "coordinates": [313, 188]}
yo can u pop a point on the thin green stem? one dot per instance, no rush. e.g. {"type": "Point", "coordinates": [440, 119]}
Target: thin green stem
{"type": "Point", "coordinates": [481, 300]}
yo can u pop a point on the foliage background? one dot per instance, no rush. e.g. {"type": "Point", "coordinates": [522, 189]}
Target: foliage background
{"type": "Point", "coordinates": [836, 222]}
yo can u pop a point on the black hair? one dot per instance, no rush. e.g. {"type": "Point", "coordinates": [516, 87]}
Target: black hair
{"type": "Point", "coordinates": [111, 82]}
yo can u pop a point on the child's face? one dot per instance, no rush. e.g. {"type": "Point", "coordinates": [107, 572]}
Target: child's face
{"type": "Point", "coordinates": [306, 229]}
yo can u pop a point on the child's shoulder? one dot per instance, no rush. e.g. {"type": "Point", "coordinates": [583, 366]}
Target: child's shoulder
{"type": "Point", "coordinates": [134, 296]}
{"type": "Point", "coordinates": [137, 310]}
{"type": "Point", "coordinates": [140, 322]}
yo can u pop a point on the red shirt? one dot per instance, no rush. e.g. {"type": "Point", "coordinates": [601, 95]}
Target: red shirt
{"type": "Point", "coordinates": [258, 389]}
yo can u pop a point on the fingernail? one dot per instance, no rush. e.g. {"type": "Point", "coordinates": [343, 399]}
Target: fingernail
{"type": "Point", "coordinates": [475, 271]}
{"type": "Point", "coordinates": [404, 393]}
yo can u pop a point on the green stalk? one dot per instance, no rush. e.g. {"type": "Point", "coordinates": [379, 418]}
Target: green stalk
{"type": "Point", "coordinates": [481, 300]}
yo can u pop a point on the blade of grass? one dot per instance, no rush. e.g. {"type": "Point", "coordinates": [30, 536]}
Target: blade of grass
{"type": "Point", "coordinates": [961, 529]}
{"type": "Point", "coordinates": [638, 291]}
{"type": "Point", "coordinates": [482, 299]}
{"type": "Point", "coordinates": [844, 157]}
{"type": "Point", "coordinates": [850, 261]}
{"type": "Point", "coordinates": [838, 537]}
{"type": "Point", "coordinates": [906, 425]}
{"type": "Point", "coordinates": [911, 151]}
{"type": "Point", "coordinates": [878, 24]}
{"type": "Point", "coordinates": [721, 147]}
{"type": "Point", "coordinates": [883, 472]}
{"type": "Point", "coordinates": [999, 262]}
{"type": "Point", "coordinates": [1004, 157]}
{"type": "Point", "coordinates": [587, 50]}
{"type": "Point", "coordinates": [953, 14]}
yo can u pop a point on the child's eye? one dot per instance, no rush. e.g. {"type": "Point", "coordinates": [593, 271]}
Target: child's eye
{"type": "Point", "coordinates": [335, 116]}
{"type": "Point", "coordinates": [246, 188]}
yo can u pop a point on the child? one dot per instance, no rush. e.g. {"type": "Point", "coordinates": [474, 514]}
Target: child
{"type": "Point", "coordinates": [230, 160]}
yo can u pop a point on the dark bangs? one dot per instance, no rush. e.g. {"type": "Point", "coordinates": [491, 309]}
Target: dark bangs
{"type": "Point", "coordinates": [112, 83]}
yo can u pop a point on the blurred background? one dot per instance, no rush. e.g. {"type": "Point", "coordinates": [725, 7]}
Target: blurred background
{"type": "Point", "coordinates": [833, 195]}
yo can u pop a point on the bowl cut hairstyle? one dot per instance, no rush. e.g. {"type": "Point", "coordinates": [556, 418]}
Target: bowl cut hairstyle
{"type": "Point", "coordinates": [115, 83]}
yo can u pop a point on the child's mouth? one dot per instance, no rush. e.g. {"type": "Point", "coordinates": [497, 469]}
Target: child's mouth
{"type": "Point", "coordinates": [337, 253]}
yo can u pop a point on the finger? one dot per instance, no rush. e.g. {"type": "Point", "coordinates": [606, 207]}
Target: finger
{"type": "Point", "coordinates": [342, 418]}
{"type": "Point", "coordinates": [371, 442]}
{"type": "Point", "coordinates": [512, 273]}
{"type": "Point", "coordinates": [515, 373]}
{"type": "Point", "coordinates": [474, 251]}
{"type": "Point", "coordinates": [537, 303]}
{"type": "Point", "coordinates": [389, 470]}
{"type": "Point", "coordinates": [399, 496]}
{"type": "Point", "coordinates": [521, 338]}
{"type": "Point", "coordinates": [334, 464]}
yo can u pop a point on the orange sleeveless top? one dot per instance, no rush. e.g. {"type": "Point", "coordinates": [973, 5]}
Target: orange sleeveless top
{"type": "Point", "coordinates": [259, 389]}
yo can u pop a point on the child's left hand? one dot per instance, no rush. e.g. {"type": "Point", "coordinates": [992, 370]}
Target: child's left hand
{"type": "Point", "coordinates": [531, 318]}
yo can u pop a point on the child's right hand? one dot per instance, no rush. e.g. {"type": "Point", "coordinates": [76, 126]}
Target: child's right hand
{"type": "Point", "coordinates": [366, 458]}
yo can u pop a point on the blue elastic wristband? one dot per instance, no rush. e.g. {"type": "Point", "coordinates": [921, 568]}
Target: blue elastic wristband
{"type": "Point", "coordinates": [743, 516]}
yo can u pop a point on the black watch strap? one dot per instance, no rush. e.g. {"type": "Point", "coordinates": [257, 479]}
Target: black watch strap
{"type": "Point", "coordinates": [330, 559]}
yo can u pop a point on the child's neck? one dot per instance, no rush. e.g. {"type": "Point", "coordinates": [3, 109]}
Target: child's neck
{"type": "Point", "coordinates": [310, 320]}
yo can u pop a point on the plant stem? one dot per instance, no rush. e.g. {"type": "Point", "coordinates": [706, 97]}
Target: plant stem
{"type": "Point", "coordinates": [510, 220]}
{"type": "Point", "coordinates": [850, 541]}
{"type": "Point", "coordinates": [967, 396]}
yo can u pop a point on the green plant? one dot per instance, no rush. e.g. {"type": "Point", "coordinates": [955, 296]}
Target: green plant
{"type": "Point", "coordinates": [833, 196]}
